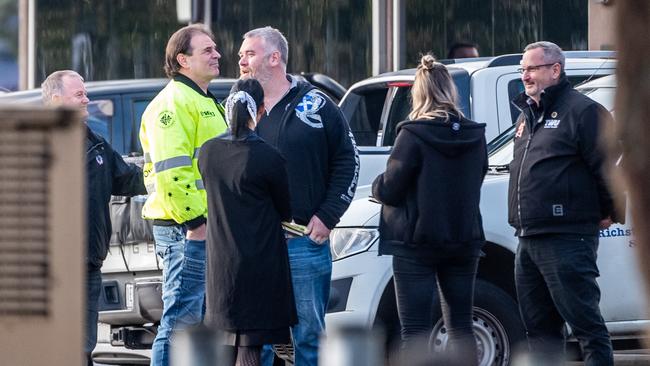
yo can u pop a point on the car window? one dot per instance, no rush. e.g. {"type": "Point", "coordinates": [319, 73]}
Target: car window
{"type": "Point", "coordinates": [399, 110]}
{"type": "Point", "coordinates": [100, 117]}
{"type": "Point", "coordinates": [500, 149]}
{"type": "Point", "coordinates": [401, 104]}
{"type": "Point", "coordinates": [604, 96]}
{"type": "Point", "coordinates": [137, 109]}
{"type": "Point", "coordinates": [363, 112]}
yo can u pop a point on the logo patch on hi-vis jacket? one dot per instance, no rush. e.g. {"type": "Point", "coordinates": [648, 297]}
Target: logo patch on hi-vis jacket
{"type": "Point", "coordinates": [166, 119]}
{"type": "Point", "coordinates": [520, 129]}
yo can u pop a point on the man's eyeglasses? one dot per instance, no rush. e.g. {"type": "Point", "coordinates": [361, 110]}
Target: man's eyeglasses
{"type": "Point", "coordinates": [533, 68]}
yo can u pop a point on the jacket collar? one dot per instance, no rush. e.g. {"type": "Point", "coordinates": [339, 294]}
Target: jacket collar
{"type": "Point", "coordinates": [92, 139]}
{"type": "Point", "coordinates": [247, 135]}
{"type": "Point", "coordinates": [194, 86]}
{"type": "Point", "coordinates": [549, 95]}
{"type": "Point", "coordinates": [438, 121]}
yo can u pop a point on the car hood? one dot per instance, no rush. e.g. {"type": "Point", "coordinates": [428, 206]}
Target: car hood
{"type": "Point", "coordinates": [363, 210]}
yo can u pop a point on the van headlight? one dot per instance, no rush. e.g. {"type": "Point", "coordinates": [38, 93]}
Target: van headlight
{"type": "Point", "coordinates": [345, 242]}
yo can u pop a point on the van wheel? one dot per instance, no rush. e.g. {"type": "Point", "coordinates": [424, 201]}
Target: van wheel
{"type": "Point", "coordinates": [497, 326]}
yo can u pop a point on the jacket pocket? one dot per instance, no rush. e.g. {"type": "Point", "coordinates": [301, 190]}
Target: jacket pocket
{"type": "Point", "coordinates": [544, 194]}
{"type": "Point", "coordinates": [141, 229]}
{"type": "Point", "coordinates": [120, 219]}
{"type": "Point", "coordinates": [393, 223]}
{"type": "Point", "coordinates": [411, 219]}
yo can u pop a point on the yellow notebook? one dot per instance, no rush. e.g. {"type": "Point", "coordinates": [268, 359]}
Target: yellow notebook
{"type": "Point", "coordinates": [294, 229]}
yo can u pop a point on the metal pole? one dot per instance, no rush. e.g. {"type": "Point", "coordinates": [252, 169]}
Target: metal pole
{"type": "Point", "coordinates": [22, 44]}
{"type": "Point", "coordinates": [379, 55]}
{"type": "Point", "coordinates": [26, 44]}
{"type": "Point", "coordinates": [31, 45]}
{"type": "Point", "coordinates": [399, 35]}
{"type": "Point", "coordinates": [207, 16]}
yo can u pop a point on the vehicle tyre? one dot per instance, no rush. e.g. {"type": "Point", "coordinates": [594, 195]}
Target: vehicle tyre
{"type": "Point", "coordinates": [497, 326]}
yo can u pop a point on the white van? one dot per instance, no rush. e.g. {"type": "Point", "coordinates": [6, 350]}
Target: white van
{"type": "Point", "coordinates": [362, 289]}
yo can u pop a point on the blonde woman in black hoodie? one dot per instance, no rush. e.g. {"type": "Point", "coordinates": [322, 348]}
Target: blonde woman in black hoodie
{"type": "Point", "coordinates": [431, 222]}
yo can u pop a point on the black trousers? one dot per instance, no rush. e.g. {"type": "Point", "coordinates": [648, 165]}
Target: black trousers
{"type": "Point", "coordinates": [93, 290]}
{"type": "Point", "coordinates": [418, 286]}
{"type": "Point", "coordinates": [556, 283]}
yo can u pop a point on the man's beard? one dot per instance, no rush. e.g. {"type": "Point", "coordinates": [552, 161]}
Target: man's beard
{"type": "Point", "coordinates": [262, 74]}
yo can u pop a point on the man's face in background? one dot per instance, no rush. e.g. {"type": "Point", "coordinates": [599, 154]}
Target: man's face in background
{"type": "Point", "coordinates": [72, 95]}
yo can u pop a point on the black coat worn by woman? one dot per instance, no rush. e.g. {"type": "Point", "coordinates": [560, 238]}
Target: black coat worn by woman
{"type": "Point", "coordinates": [248, 283]}
{"type": "Point", "coordinates": [431, 189]}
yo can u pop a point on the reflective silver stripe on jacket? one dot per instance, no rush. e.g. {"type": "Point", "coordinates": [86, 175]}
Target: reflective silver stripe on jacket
{"type": "Point", "coordinates": [147, 156]}
{"type": "Point", "coordinates": [151, 188]}
{"type": "Point", "coordinates": [175, 162]}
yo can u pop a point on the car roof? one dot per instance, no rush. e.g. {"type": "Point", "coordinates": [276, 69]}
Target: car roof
{"type": "Point", "coordinates": [110, 86]}
{"type": "Point", "coordinates": [574, 60]}
{"type": "Point", "coordinates": [325, 83]}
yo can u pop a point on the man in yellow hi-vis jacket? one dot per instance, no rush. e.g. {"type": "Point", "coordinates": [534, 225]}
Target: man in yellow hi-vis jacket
{"type": "Point", "coordinates": [174, 126]}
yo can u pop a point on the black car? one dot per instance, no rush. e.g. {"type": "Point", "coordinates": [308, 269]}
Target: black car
{"type": "Point", "coordinates": [116, 106]}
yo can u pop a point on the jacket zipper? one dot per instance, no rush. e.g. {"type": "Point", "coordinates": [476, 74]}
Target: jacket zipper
{"type": "Point", "coordinates": [521, 227]}
{"type": "Point", "coordinates": [523, 159]}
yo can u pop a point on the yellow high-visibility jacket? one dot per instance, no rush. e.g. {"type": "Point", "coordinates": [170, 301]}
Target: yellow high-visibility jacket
{"type": "Point", "coordinates": [174, 126]}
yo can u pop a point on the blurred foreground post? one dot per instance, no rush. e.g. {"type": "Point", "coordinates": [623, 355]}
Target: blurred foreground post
{"type": "Point", "coordinates": [351, 346]}
{"type": "Point", "coordinates": [42, 221]}
{"type": "Point", "coordinates": [199, 347]}
{"type": "Point", "coordinates": [632, 114]}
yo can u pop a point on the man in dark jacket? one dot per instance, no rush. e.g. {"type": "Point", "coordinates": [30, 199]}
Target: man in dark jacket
{"type": "Point", "coordinates": [558, 201]}
{"type": "Point", "coordinates": [312, 135]}
{"type": "Point", "coordinates": [106, 174]}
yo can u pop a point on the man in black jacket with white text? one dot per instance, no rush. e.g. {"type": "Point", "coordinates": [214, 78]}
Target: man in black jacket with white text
{"type": "Point", "coordinates": [557, 202]}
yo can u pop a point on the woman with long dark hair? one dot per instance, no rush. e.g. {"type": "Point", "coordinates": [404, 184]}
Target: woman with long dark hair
{"type": "Point", "coordinates": [248, 284]}
{"type": "Point", "coordinates": [430, 221]}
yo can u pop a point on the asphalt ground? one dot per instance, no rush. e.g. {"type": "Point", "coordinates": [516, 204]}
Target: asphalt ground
{"type": "Point", "coordinates": [626, 358]}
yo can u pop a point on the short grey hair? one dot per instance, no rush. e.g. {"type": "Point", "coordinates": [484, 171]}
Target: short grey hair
{"type": "Point", "coordinates": [273, 39]}
{"type": "Point", "coordinates": [53, 84]}
{"type": "Point", "coordinates": [552, 52]}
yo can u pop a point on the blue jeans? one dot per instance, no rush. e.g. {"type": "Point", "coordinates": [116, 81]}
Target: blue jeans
{"type": "Point", "coordinates": [555, 277]}
{"type": "Point", "coordinates": [416, 283]}
{"type": "Point", "coordinates": [311, 273]}
{"type": "Point", "coordinates": [183, 290]}
{"type": "Point", "coordinates": [93, 289]}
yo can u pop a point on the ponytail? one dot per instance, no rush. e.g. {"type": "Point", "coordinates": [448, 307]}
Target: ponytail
{"type": "Point", "coordinates": [239, 119]}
